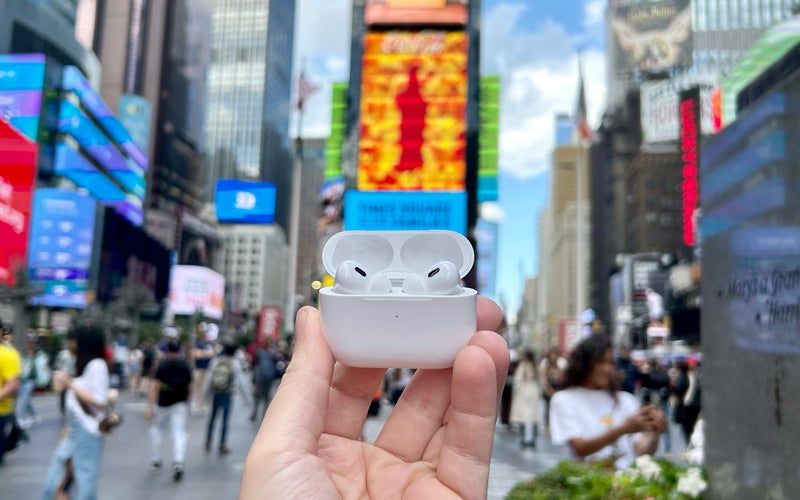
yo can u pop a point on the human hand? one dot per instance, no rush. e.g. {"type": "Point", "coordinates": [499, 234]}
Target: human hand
{"type": "Point", "coordinates": [640, 421]}
{"type": "Point", "coordinates": [658, 421]}
{"type": "Point", "coordinates": [437, 442]}
{"type": "Point", "coordinates": [61, 380]}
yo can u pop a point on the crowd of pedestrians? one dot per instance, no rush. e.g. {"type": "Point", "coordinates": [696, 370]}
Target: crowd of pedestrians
{"type": "Point", "coordinates": [177, 380]}
{"type": "Point", "coordinates": [605, 404]}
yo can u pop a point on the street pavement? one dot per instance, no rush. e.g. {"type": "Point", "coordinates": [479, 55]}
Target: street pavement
{"type": "Point", "coordinates": [126, 473]}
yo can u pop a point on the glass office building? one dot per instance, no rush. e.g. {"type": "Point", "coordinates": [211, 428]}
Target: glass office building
{"type": "Point", "coordinates": [249, 96]}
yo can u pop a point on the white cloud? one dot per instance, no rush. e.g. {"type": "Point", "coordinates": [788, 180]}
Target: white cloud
{"type": "Point", "coordinates": [322, 44]}
{"type": "Point", "coordinates": [593, 13]}
{"type": "Point", "coordinates": [491, 211]}
{"type": "Point", "coordinates": [538, 71]}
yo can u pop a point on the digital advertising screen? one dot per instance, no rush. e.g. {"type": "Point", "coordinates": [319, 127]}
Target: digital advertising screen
{"type": "Point", "coordinates": [61, 240]}
{"type": "Point", "coordinates": [269, 323]}
{"type": "Point", "coordinates": [73, 80]}
{"type": "Point", "coordinates": [416, 12]}
{"type": "Point", "coordinates": [74, 122]}
{"type": "Point", "coordinates": [70, 163]}
{"type": "Point", "coordinates": [135, 114]}
{"type": "Point", "coordinates": [245, 202]}
{"type": "Point", "coordinates": [21, 82]}
{"type": "Point", "coordinates": [652, 35]}
{"type": "Point", "coordinates": [17, 178]}
{"type": "Point", "coordinates": [196, 288]}
{"type": "Point", "coordinates": [413, 111]}
{"type": "Point", "coordinates": [401, 210]}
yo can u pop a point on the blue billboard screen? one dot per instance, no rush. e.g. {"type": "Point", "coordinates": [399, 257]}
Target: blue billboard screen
{"type": "Point", "coordinates": [74, 166]}
{"type": "Point", "coordinates": [245, 202]}
{"type": "Point", "coordinates": [405, 210]}
{"type": "Point", "coordinates": [135, 113]}
{"type": "Point", "coordinates": [74, 122]}
{"type": "Point", "coordinates": [21, 82]}
{"type": "Point", "coordinates": [74, 80]}
{"type": "Point", "coordinates": [61, 240]}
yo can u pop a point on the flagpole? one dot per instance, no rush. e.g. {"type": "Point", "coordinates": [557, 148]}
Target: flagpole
{"type": "Point", "coordinates": [579, 250]}
{"type": "Point", "coordinates": [579, 219]}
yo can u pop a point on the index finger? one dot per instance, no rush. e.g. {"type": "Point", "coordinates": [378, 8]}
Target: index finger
{"type": "Point", "coordinates": [297, 412]}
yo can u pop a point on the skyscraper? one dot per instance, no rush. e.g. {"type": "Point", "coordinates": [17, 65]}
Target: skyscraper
{"type": "Point", "coordinates": [249, 96]}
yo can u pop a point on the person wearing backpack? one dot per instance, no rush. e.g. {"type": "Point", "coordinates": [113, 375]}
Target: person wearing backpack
{"type": "Point", "coordinates": [226, 375]}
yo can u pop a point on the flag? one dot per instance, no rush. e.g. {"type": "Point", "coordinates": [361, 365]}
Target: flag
{"type": "Point", "coordinates": [581, 123]}
{"type": "Point", "coordinates": [304, 89]}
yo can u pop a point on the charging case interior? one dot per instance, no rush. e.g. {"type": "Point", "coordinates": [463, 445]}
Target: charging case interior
{"type": "Point", "coordinates": [397, 330]}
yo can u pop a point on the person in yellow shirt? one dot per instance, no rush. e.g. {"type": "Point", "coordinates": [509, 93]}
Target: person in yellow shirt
{"type": "Point", "coordinates": [10, 369]}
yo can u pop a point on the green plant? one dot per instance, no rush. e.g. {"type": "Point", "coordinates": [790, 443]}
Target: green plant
{"type": "Point", "coordinates": [648, 478]}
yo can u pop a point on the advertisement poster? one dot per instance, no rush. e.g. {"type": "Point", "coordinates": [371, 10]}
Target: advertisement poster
{"type": "Point", "coordinates": [413, 111]}
{"type": "Point", "coordinates": [651, 35]}
{"type": "Point", "coordinates": [196, 288]}
{"type": "Point", "coordinates": [269, 323]}
{"type": "Point", "coordinates": [659, 107]}
{"type": "Point", "coordinates": [135, 113]}
{"type": "Point", "coordinates": [17, 177]}
{"type": "Point", "coordinates": [61, 241]}
{"type": "Point", "coordinates": [416, 12]}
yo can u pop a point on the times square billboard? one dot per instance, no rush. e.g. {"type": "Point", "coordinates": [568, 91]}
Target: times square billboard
{"type": "Point", "coordinates": [416, 12]}
{"type": "Point", "coordinates": [244, 202]}
{"type": "Point", "coordinates": [651, 35]}
{"type": "Point", "coordinates": [413, 111]}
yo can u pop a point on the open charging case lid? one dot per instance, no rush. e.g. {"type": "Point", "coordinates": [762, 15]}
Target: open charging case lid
{"type": "Point", "coordinates": [397, 253]}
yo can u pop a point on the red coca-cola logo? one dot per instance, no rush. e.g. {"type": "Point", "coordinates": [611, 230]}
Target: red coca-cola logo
{"type": "Point", "coordinates": [423, 42]}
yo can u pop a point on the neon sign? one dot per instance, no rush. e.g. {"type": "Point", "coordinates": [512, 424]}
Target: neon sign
{"type": "Point", "coordinates": [690, 139]}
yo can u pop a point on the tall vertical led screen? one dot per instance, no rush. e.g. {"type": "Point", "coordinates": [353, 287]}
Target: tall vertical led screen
{"type": "Point", "coordinates": [62, 237]}
{"type": "Point", "coordinates": [413, 111]}
{"type": "Point", "coordinates": [689, 116]}
{"type": "Point", "coordinates": [17, 177]}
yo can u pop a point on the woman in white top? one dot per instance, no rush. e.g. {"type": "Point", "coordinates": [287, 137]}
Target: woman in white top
{"type": "Point", "coordinates": [525, 398]}
{"type": "Point", "coordinates": [598, 422]}
{"type": "Point", "coordinates": [86, 400]}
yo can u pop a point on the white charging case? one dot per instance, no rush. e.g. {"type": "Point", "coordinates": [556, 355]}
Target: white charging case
{"type": "Point", "coordinates": [397, 330]}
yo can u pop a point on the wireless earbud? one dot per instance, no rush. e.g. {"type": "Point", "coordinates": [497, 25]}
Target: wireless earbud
{"type": "Point", "coordinates": [440, 279]}
{"type": "Point", "coordinates": [351, 278]}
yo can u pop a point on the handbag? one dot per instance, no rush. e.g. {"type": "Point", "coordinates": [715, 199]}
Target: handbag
{"type": "Point", "coordinates": [111, 421]}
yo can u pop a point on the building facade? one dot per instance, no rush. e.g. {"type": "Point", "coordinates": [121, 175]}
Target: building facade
{"type": "Point", "coordinates": [249, 97]}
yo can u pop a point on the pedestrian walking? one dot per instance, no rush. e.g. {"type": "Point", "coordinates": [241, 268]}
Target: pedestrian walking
{"type": "Point", "coordinates": [226, 376]}
{"type": "Point", "coordinates": [35, 374]}
{"type": "Point", "coordinates": [10, 370]}
{"type": "Point", "coordinates": [65, 362]}
{"type": "Point", "coordinates": [85, 402]}
{"type": "Point", "coordinates": [203, 352]}
{"type": "Point", "coordinates": [265, 374]}
{"type": "Point", "coordinates": [525, 398]}
{"type": "Point", "coordinates": [168, 404]}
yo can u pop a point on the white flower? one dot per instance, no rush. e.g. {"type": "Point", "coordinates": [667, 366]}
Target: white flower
{"type": "Point", "coordinates": [692, 483]}
{"type": "Point", "coordinates": [648, 468]}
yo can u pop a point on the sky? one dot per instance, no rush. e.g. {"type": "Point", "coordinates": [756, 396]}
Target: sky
{"type": "Point", "coordinates": [533, 46]}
